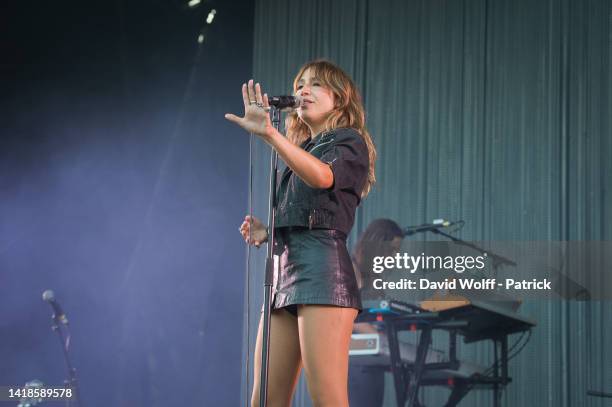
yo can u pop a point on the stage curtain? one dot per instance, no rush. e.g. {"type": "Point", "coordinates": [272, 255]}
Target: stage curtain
{"type": "Point", "coordinates": [493, 112]}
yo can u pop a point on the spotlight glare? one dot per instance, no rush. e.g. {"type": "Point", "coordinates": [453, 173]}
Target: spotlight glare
{"type": "Point", "coordinates": [193, 3]}
{"type": "Point", "coordinates": [200, 38]}
{"type": "Point", "coordinates": [211, 16]}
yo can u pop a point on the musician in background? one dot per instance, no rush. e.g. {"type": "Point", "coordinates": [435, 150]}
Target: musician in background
{"type": "Point", "coordinates": [382, 237]}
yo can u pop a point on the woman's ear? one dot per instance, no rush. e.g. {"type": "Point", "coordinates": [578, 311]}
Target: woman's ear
{"type": "Point", "coordinates": [338, 101]}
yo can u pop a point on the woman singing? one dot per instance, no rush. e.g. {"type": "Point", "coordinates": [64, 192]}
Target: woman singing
{"type": "Point", "coordinates": [330, 168]}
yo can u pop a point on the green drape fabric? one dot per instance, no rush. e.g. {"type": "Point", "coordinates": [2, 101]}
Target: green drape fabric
{"type": "Point", "coordinates": [496, 112]}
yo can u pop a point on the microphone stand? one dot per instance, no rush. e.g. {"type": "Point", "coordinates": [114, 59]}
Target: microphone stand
{"type": "Point", "coordinates": [71, 382]}
{"type": "Point", "coordinates": [497, 259]}
{"type": "Point", "coordinates": [270, 268]}
{"type": "Point", "coordinates": [601, 394]}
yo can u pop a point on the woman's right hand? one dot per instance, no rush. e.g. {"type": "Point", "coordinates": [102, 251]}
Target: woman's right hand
{"type": "Point", "coordinates": [256, 118]}
{"type": "Point", "coordinates": [258, 233]}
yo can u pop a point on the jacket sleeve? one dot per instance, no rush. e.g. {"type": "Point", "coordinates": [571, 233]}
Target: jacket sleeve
{"type": "Point", "coordinates": [348, 158]}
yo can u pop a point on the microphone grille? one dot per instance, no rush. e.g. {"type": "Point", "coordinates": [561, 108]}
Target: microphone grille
{"type": "Point", "coordinates": [48, 295]}
{"type": "Point", "coordinates": [299, 101]}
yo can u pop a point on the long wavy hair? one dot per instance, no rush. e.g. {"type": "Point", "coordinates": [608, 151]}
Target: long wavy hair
{"type": "Point", "coordinates": [348, 110]}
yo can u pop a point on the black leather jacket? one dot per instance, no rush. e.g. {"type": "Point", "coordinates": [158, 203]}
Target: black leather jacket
{"type": "Point", "coordinates": [302, 206]}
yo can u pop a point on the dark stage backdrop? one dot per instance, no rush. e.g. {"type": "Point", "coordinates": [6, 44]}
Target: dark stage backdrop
{"type": "Point", "coordinates": [123, 194]}
{"type": "Point", "coordinates": [495, 112]}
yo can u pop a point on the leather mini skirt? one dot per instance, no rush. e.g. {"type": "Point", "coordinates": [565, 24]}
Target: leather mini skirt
{"type": "Point", "coordinates": [314, 267]}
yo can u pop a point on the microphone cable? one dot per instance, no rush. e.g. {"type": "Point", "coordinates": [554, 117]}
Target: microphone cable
{"type": "Point", "coordinates": [247, 280]}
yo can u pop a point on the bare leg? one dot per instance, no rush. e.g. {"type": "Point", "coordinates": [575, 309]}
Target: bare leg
{"type": "Point", "coordinates": [285, 363]}
{"type": "Point", "coordinates": [325, 335]}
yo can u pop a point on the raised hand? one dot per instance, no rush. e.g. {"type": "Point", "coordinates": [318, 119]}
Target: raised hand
{"type": "Point", "coordinates": [256, 107]}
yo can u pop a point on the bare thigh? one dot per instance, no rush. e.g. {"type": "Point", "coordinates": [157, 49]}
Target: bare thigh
{"type": "Point", "coordinates": [325, 335]}
{"type": "Point", "coordinates": [284, 360]}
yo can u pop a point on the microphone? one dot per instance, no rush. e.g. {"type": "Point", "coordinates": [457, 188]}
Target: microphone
{"type": "Point", "coordinates": [285, 102]}
{"type": "Point", "coordinates": [58, 313]}
{"type": "Point", "coordinates": [429, 227]}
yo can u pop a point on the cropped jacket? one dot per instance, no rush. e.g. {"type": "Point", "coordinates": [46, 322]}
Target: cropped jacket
{"type": "Point", "coordinates": [299, 205]}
